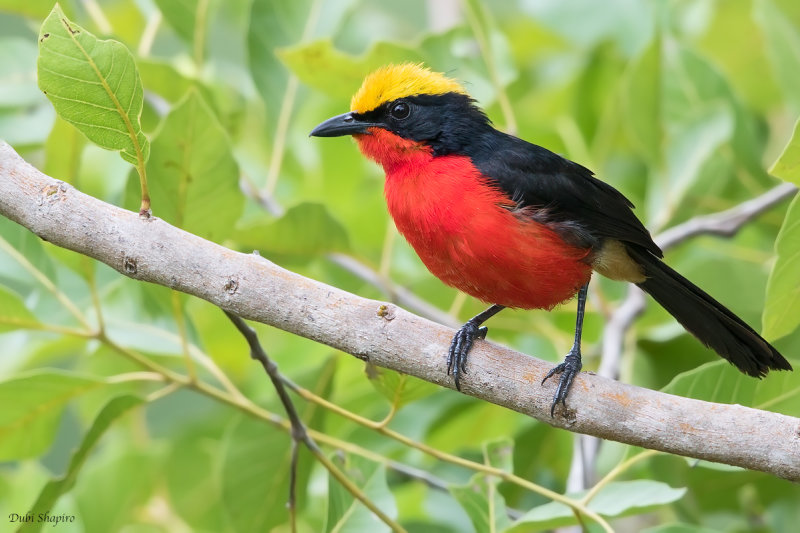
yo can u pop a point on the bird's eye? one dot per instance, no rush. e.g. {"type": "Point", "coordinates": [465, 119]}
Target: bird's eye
{"type": "Point", "coordinates": [400, 110]}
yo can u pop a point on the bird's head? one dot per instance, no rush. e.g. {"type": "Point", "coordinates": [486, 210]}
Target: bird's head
{"type": "Point", "coordinates": [405, 111]}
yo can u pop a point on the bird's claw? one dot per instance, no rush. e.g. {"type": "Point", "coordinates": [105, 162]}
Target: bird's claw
{"type": "Point", "coordinates": [460, 347]}
{"type": "Point", "coordinates": [568, 370]}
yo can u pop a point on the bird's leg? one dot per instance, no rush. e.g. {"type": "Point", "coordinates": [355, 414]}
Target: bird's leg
{"type": "Point", "coordinates": [462, 342]}
{"type": "Point", "coordinates": [572, 362]}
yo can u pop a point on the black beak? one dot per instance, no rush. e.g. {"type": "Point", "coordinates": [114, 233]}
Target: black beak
{"type": "Point", "coordinates": [345, 124]}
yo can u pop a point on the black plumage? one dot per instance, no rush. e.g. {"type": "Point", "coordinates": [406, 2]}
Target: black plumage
{"type": "Point", "coordinates": [580, 208]}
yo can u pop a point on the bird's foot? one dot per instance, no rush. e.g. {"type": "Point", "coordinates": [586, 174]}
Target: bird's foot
{"type": "Point", "coordinates": [460, 347]}
{"type": "Point", "coordinates": [568, 370]}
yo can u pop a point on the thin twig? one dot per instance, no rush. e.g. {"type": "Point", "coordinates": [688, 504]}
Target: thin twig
{"type": "Point", "coordinates": [180, 320]}
{"type": "Point", "coordinates": [299, 433]}
{"type": "Point", "coordinates": [293, 484]}
{"type": "Point", "coordinates": [91, 279]}
{"type": "Point", "coordinates": [235, 399]}
{"type": "Point", "coordinates": [98, 17]}
{"type": "Point", "coordinates": [485, 45]}
{"type": "Point", "coordinates": [149, 33]}
{"type": "Point", "coordinates": [287, 107]}
{"type": "Point", "coordinates": [442, 456]}
{"type": "Point", "coordinates": [39, 276]}
{"type": "Point", "coordinates": [200, 31]}
{"type": "Point", "coordinates": [725, 223]}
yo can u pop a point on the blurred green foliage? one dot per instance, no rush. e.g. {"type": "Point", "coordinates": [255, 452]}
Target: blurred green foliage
{"type": "Point", "coordinates": [681, 104]}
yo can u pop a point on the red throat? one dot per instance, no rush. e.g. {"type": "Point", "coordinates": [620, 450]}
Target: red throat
{"type": "Point", "coordinates": [392, 151]}
{"type": "Point", "coordinates": [467, 232]}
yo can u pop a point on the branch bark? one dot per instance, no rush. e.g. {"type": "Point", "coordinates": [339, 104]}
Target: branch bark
{"type": "Point", "coordinates": [725, 223]}
{"type": "Point", "coordinates": [254, 288]}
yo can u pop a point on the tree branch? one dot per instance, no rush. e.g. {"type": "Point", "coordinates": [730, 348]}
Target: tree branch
{"type": "Point", "coordinates": [725, 223]}
{"type": "Point", "coordinates": [254, 288]}
{"type": "Point", "coordinates": [395, 293]}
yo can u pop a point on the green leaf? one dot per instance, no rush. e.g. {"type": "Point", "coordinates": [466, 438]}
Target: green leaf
{"type": "Point", "coordinates": [164, 79]}
{"type": "Point", "coordinates": [723, 383]}
{"type": "Point", "coordinates": [94, 85]}
{"type": "Point", "coordinates": [642, 86]}
{"type": "Point", "coordinates": [193, 493]}
{"type": "Point", "coordinates": [483, 503]}
{"type": "Point", "coordinates": [36, 9]}
{"type": "Point", "coordinates": [56, 487]}
{"type": "Point", "coordinates": [32, 406]}
{"type": "Point", "coordinates": [783, 46]}
{"type": "Point", "coordinates": [691, 82]}
{"type": "Point", "coordinates": [33, 248]}
{"type": "Point", "coordinates": [787, 166]}
{"type": "Point", "coordinates": [17, 74]}
{"type": "Point", "coordinates": [63, 149]}
{"type": "Point", "coordinates": [22, 127]}
{"type": "Point", "coordinates": [692, 143]}
{"type": "Point", "coordinates": [195, 182]}
{"type": "Point", "coordinates": [273, 23]}
{"type": "Point", "coordinates": [304, 231]}
{"type": "Point", "coordinates": [254, 462]}
{"type": "Point", "coordinates": [679, 528]}
{"type": "Point", "coordinates": [494, 46]}
{"type": "Point", "coordinates": [25, 114]}
{"type": "Point", "coordinates": [181, 15]}
{"type": "Point", "coordinates": [399, 389]}
{"type": "Point", "coordinates": [481, 498]}
{"type": "Point", "coordinates": [13, 313]}
{"type": "Point", "coordinates": [500, 454]}
{"type": "Point", "coordinates": [743, 61]}
{"type": "Point", "coordinates": [621, 498]}
{"type": "Point", "coordinates": [345, 513]}
{"type": "Point", "coordinates": [111, 502]}
{"type": "Point", "coordinates": [782, 305]}
{"type": "Point", "coordinates": [255, 475]}
{"type": "Point", "coordinates": [474, 424]}
{"type": "Point", "coordinates": [323, 67]}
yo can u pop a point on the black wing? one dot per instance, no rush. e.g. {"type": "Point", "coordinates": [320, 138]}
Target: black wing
{"type": "Point", "coordinates": [562, 193]}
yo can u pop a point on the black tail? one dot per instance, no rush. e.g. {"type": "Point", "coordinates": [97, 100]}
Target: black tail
{"type": "Point", "coordinates": [707, 319]}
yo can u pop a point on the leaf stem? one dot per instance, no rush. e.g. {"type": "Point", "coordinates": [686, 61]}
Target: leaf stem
{"type": "Point", "coordinates": [98, 17]}
{"type": "Point", "coordinates": [45, 282]}
{"type": "Point", "coordinates": [299, 432]}
{"type": "Point", "coordinates": [180, 320]}
{"type": "Point", "coordinates": [144, 210]}
{"type": "Point", "coordinates": [286, 109]}
{"type": "Point", "coordinates": [199, 37]}
{"type": "Point", "coordinates": [52, 328]}
{"type": "Point", "coordinates": [142, 360]}
{"type": "Point", "coordinates": [444, 456]}
{"type": "Point", "coordinates": [484, 44]}
{"type": "Point", "coordinates": [88, 266]}
{"type": "Point", "coordinates": [614, 472]}
{"type": "Point", "coordinates": [149, 33]}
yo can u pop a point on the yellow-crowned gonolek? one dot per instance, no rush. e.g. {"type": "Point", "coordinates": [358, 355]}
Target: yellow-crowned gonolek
{"type": "Point", "coordinates": [512, 223]}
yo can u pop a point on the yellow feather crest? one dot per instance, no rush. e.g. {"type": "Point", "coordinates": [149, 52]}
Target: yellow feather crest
{"type": "Point", "coordinates": [398, 81]}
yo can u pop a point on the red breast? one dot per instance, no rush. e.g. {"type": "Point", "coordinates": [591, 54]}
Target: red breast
{"type": "Point", "coordinates": [467, 232]}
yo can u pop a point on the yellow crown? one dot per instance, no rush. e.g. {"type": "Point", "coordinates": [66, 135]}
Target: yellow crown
{"type": "Point", "coordinates": [398, 81]}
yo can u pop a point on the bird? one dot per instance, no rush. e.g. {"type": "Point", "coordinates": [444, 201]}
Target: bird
{"type": "Point", "coordinates": [514, 224]}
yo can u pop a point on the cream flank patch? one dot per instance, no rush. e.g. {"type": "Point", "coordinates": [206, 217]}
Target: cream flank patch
{"type": "Point", "coordinates": [399, 81]}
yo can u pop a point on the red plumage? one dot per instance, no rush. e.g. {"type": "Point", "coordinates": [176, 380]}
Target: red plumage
{"type": "Point", "coordinates": [469, 233]}
{"type": "Point", "coordinates": [514, 224]}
